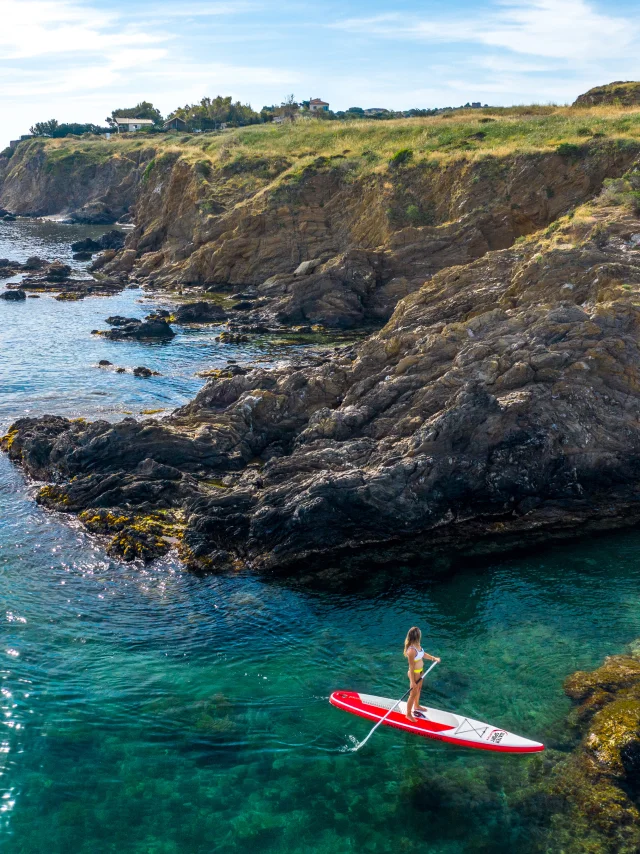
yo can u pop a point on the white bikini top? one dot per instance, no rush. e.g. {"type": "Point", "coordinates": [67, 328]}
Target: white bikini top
{"type": "Point", "coordinates": [419, 654]}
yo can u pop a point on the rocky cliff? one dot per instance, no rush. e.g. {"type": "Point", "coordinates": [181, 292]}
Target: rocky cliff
{"type": "Point", "coordinates": [500, 406]}
{"type": "Point", "coordinates": [323, 233]}
{"type": "Point", "coordinates": [93, 185]}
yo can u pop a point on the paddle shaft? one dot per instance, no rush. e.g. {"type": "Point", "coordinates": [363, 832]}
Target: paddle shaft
{"type": "Point", "coordinates": [394, 707]}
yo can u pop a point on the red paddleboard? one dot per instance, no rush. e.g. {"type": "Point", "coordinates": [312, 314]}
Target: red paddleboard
{"type": "Point", "coordinates": [443, 726]}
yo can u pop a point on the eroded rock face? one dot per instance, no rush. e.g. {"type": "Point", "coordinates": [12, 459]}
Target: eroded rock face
{"type": "Point", "coordinates": [499, 406]}
{"type": "Point", "coordinates": [336, 247]}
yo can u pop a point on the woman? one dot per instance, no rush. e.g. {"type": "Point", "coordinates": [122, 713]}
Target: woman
{"type": "Point", "coordinates": [415, 655]}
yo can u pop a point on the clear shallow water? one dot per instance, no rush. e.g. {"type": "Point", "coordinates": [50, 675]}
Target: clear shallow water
{"type": "Point", "coordinates": [147, 710]}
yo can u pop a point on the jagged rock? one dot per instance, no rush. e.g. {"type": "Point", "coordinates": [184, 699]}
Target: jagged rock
{"type": "Point", "coordinates": [141, 371]}
{"type": "Point", "coordinates": [141, 330]}
{"type": "Point", "coordinates": [104, 363]}
{"type": "Point", "coordinates": [113, 239]}
{"type": "Point", "coordinates": [119, 320]}
{"type": "Point", "coordinates": [34, 262]}
{"type": "Point", "coordinates": [13, 296]}
{"type": "Point", "coordinates": [307, 267]}
{"type": "Point", "coordinates": [57, 272]}
{"type": "Point", "coordinates": [199, 312]}
{"type": "Point", "coordinates": [85, 245]}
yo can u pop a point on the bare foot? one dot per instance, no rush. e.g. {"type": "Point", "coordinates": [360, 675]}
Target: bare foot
{"type": "Point", "coordinates": [423, 709]}
{"type": "Point", "coordinates": [412, 719]}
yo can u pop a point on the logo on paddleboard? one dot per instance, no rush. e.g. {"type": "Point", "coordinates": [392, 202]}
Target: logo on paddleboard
{"type": "Point", "coordinates": [496, 736]}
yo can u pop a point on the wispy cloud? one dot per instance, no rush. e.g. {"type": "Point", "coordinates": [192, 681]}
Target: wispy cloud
{"type": "Point", "coordinates": [560, 29]}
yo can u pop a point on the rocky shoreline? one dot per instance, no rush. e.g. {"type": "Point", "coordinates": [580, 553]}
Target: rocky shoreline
{"type": "Point", "coordinates": [499, 408]}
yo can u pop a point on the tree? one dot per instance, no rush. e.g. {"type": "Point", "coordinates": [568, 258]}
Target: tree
{"type": "Point", "coordinates": [289, 108]}
{"type": "Point", "coordinates": [44, 128]}
{"type": "Point", "coordinates": [53, 129]}
{"type": "Point", "coordinates": [143, 110]}
{"type": "Point", "coordinates": [210, 113]}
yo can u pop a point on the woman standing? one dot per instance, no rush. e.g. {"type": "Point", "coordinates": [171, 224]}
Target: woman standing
{"type": "Point", "coordinates": [415, 655]}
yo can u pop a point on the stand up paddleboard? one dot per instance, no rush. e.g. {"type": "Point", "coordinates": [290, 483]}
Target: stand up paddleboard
{"type": "Point", "coordinates": [443, 726]}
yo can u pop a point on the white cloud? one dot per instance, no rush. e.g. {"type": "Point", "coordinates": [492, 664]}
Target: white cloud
{"type": "Point", "coordinates": [560, 29]}
{"type": "Point", "coordinates": [69, 59]}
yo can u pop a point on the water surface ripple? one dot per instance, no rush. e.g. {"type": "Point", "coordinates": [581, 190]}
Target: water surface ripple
{"type": "Point", "coordinates": [148, 710]}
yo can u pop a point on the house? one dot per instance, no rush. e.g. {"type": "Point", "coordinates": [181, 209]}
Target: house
{"type": "Point", "coordinates": [317, 105]}
{"type": "Point", "coordinates": [126, 125]}
{"type": "Point", "coordinates": [176, 123]}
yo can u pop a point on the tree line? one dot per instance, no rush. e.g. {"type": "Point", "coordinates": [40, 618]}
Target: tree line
{"type": "Point", "coordinates": [211, 114]}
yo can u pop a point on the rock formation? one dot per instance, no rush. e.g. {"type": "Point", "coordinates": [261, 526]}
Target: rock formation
{"type": "Point", "coordinates": [620, 93]}
{"type": "Point", "coordinates": [500, 406]}
{"type": "Point", "coordinates": [589, 799]}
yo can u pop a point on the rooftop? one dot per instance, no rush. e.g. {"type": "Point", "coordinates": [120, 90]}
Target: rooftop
{"type": "Point", "coordinates": [124, 120]}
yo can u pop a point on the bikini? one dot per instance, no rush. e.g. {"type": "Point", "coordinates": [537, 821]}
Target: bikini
{"type": "Point", "coordinates": [418, 660]}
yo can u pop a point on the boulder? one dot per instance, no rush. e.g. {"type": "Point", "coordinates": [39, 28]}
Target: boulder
{"type": "Point", "coordinates": [141, 330]}
{"type": "Point", "coordinates": [113, 239]}
{"type": "Point", "coordinates": [199, 312]}
{"type": "Point", "coordinates": [86, 245]}
{"type": "Point", "coordinates": [141, 371]}
{"type": "Point", "coordinates": [57, 272]}
{"type": "Point", "coordinates": [13, 296]}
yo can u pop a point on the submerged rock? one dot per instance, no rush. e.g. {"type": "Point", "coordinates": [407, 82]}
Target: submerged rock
{"type": "Point", "coordinates": [589, 800]}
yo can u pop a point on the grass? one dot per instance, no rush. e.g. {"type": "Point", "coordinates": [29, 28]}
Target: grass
{"type": "Point", "coordinates": [375, 143]}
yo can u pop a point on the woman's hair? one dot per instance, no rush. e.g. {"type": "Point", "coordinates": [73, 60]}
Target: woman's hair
{"type": "Point", "coordinates": [413, 636]}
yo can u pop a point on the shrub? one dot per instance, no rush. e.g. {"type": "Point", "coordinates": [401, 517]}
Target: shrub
{"type": "Point", "coordinates": [7, 152]}
{"type": "Point", "coordinates": [583, 132]}
{"type": "Point", "coordinates": [401, 157]}
{"type": "Point", "coordinates": [148, 170]}
{"type": "Point", "coordinates": [569, 149]}
{"type": "Point", "coordinates": [413, 214]}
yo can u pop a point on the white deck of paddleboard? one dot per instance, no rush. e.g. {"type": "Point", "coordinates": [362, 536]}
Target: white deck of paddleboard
{"type": "Point", "coordinates": [463, 729]}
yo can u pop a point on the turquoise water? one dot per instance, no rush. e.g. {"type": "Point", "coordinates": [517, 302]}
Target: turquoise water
{"type": "Point", "coordinates": [147, 710]}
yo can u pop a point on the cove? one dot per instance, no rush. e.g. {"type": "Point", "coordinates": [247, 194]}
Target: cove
{"type": "Point", "coordinates": [150, 710]}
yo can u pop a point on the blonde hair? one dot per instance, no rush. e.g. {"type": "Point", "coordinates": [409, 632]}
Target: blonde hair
{"type": "Point", "coordinates": [414, 635]}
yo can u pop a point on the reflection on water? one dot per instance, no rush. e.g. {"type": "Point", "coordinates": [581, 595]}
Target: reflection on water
{"type": "Point", "coordinates": [148, 710]}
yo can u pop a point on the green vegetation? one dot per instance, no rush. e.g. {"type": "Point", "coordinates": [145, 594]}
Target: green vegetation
{"type": "Point", "coordinates": [623, 191]}
{"type": "Point", "coordinates": [143, 110]}
{"type": "Point", "coordinates": [244, 158]}
{"type": "Point", "coordinates": [401, 157]}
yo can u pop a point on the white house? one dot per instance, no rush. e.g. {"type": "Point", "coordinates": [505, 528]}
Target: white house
{"type": "Point", "coordinates": [317, 105]}
{"type": "Point", "coordinates": [129, 125]}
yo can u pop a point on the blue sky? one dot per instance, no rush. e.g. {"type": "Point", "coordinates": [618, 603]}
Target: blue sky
{"type": "Point", "coordinates": [76, 60]}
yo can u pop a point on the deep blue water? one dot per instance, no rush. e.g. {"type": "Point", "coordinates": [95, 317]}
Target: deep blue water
{"type": "Point", "coordinates": [147, 710]}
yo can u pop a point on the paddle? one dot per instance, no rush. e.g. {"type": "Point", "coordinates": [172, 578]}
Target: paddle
{"type": "Point", "coordinates": [395, 706]}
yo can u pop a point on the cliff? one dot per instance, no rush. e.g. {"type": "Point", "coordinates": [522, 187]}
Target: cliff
{"type": "Point", "coordinates": [498, 407]}
{"type": "Point", "coordinates": [371, 210]}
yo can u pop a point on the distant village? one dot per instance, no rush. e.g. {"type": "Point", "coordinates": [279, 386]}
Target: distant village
{"type": "Point", "coordinates": [221, 113]}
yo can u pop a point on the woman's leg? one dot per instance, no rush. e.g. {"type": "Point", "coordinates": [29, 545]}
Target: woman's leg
{"type": "Point", "coordinates": [411, 702]}
{"type": "Point", "coordinates": [418, 705]}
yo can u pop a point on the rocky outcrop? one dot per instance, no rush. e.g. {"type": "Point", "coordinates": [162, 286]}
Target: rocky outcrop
{"type": "Point", "coordinates": [589, 799]}
{"type": "Point", "coordinates": [152, 328]}
{"type": "Point", "coordinates": [335, 245]}
{"type": "Point", "coordinates": [499, 407]}
{"type": "Point", "coordinates": [92, 185]}
{"type": "Point", "coordinates": [620, 93]}
{"type": "Point", "coordinates": [325, 239]}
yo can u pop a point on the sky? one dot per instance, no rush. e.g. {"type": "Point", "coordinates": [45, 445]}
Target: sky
{"type": "Point", "coordinates": [77, 60]}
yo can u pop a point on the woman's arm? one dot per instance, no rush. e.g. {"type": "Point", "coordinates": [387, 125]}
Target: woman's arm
{"type": "Point", "coordinates": [432, 657]}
